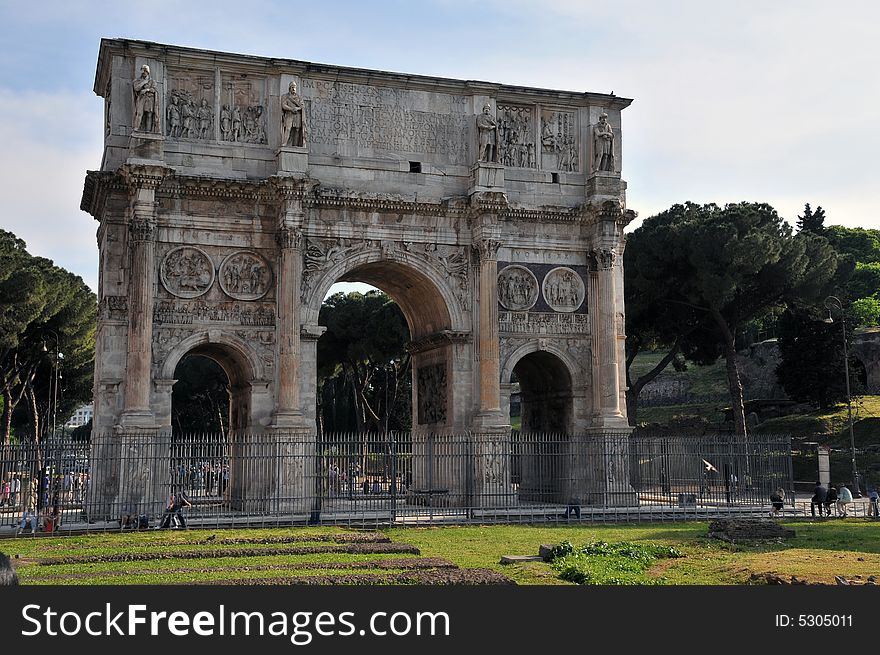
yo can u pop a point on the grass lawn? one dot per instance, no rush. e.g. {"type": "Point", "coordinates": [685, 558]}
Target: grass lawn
{"type": "Point", "coordinates": [819, 552]}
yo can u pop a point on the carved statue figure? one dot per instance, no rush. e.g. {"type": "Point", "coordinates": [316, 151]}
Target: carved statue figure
{"type": "Point", "coordinates": [236, 123]}
{"type": "Point", "coordinates": [188, 111]}
{"type": "Point", "coordinates": [173, 115]}
{"type": "Point", "coordinates": [603, 144]}
{"type": "Point", "coordinates": [488, 128]}
{"type": "Point", "coordinates": [292, 118]}
{"type": "Point", "coordinates": [206, 118]}
{"type": "Point", "coordinates": [225, 123]}
{"type": "Point", "coordinates": [145, 102]}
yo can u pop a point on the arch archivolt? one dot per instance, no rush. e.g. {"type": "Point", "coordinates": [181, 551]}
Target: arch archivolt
{"type": "Point", "coordinates": [573, 367]}
{"type": "Point", "coordinates": [241, 363]}
{"type": "Point", "coordinates": [433, 291]}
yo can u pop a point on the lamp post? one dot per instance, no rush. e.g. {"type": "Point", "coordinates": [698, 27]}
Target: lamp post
{"type": "Point", "coordinates": [833, 302]}
{"type": "Point", "coordinates": [53, 381]}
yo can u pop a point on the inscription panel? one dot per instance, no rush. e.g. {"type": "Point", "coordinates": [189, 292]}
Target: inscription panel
{"type": "Point", "coordinates": [344, 116]}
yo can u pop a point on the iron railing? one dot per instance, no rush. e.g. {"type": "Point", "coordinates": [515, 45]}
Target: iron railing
{"type": "Point", "coordinates": [125, 480]}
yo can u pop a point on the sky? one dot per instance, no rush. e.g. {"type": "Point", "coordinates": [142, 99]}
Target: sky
{"type": "Point", "coordinates": [756, 101]}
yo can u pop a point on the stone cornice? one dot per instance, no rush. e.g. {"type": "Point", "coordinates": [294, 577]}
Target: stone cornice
{"type": "Point", "coordinates": [437, 340]}
{"type": "Point", "coordinates": [96, 187]}
{"type": "Point", "coordinates": [254, 65]}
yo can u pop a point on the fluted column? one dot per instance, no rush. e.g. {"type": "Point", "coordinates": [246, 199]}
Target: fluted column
{"type": "Point", "coordinates": [141, 275]}
{"type": "Point", "coordinates": [287, 411]}
{"type": "Point", "coordinates": [489, 365]}
{"type": "Point", "coordinates": [607, 372]}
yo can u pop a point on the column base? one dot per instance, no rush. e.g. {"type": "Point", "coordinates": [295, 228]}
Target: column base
{"type": "Point", "coordinates": [137, 418]}
{"type": "Point", "coordinates": [490, 422]}
{"type": "Point", "coordinates": [146, 146]}
{"type": "Point", "coordinates": [611, 422]}
{"type": "Point", "coordinates": [289, 420]}
{"type": "Point", "coordinates": [487, 176]}
{"type": "Point", "coordinates": [292, 159]}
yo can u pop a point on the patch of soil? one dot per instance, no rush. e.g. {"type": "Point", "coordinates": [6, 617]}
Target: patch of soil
{"type": "Point", "coordinates": [430, 577]}
{"type": "Point", "coordinates": [356, 548]}
{"type": "Point", "coordinates": [391, 563]}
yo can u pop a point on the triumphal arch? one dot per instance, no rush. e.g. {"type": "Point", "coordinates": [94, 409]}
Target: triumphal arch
{"type": "Point", "coordinates": [235, 190]}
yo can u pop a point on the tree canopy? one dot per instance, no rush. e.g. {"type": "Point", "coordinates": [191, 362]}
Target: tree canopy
{"type": "Point", "coordinates": [47, 326]}
{"type": "Point", "coordinates": [363, 367]}
{"type": "Point", "coordinates": [713, 269]}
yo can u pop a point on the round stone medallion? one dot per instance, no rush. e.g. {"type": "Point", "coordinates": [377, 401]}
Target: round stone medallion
{"type": "Point", "coordinates": [563, 289]}
{"type": "Point", "coordinates": [517, 288]}
{"type": "Point", "coordinates": [245, 276]}
{"type": "Point", "coordinates": [187, 272]}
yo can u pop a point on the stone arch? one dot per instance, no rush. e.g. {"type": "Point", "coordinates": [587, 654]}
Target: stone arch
{"type": "Point", "coordinates": [416, 284]}
{"type": "Point", "coordinates": [547, 384]}
{"type": "Point", "coordinates": [243, 368]}
{"type": "Point", "coordinates": [431, 303]}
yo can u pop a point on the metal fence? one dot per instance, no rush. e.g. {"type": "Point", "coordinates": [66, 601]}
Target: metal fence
{"type": "Point", "coordinates": [118, 481]}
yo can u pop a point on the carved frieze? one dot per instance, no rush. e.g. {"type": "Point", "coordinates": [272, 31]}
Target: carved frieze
{"type": "Point", "coordinates": [431, 394]}
{"type": "Point", "coordinates": [452, 260]}
{"type": "Point", "coordinates": [321, 254]}
{"type": "Point", "coordinates": [165, 339]}
{"type": "Point", "coordinates": [186, 272]}
{"type": "Point", "coordinates": [113, 308]}
{"type": "Point", "coordinates": [200, 311]}
{"type": "Point", "coordinates": [516, 128]}
{"type": "Point", "coordinates": [245, 275]}
{"type": "Point", "coordinates": [543, 323]}
{"type": "Point", "coordinates": [243, 109]}
{"type": "Point", "coordinates": [559, 149]}
{"type": "Point", "coordinates": [189, 111]}
{"type": "Point", "coordinates": [563, 289]}
{"type": "Point", "coordinates": [263, 343]}
{"type": "Point", "coordinates": [517, 288]}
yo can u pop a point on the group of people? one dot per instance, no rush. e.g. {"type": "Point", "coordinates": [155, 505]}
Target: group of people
{"type": "Point", "coordinates": [823, 499]}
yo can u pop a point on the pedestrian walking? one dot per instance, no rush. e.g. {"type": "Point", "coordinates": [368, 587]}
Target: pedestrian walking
{"type": "Point", "coordinates": [873, 508]}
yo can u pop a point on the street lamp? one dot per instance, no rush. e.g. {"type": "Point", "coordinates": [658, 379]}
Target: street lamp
{"type": "Point", "coordinates": [53, 384]}
{"type": "Point", "coordinates": [832, 302]}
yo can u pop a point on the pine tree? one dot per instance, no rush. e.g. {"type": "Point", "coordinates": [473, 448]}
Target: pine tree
{"type": "Point", "coordinates": [812, 221]}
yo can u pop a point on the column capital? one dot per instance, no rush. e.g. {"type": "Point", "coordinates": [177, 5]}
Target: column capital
{"type": "Point", "coordinates": [486, 248]}
{"type": "Point", "coordinates": [142, 228]}
{"type": "Point", "coordinates": [602, 259]}
{"type": "Point", "coordinates": [289, 237]}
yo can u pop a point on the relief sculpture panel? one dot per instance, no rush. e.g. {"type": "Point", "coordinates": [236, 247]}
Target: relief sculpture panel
{"type": "Point", "coordinates": [516, 129]}
{"type": "Point", "coordinates": [245, 276]}
{"type": "Point", "coordinates": [559, 150]}
{"type": "Point", "coordinates": [517, 288]}
{"type": "Point", "coordinates": [189, 112]}
{"type": "Point", "coordinates": [432, 394]}
{"type": "Point", "coordinates": [186, 272]}
{"type": "Point", "coordinates": [563, 289]}
{"type": "Point", "coordinates": [242, 110]}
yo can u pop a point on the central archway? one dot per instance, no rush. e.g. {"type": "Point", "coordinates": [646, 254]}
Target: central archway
{"type": "Point", "coordinates": [434, 315]}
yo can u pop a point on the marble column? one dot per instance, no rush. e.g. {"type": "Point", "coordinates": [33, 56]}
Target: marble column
{"type": "Point", "coordinates": [489, 364]}
{"type": "Point", "coordinates": [607, 374]}
{"type": "Point", "coordinates": [141, 275]}
{"type": "Point", "coordinates": [288, 412]}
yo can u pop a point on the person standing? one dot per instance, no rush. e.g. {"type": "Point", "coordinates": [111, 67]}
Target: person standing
{"type": "Point", "coordinates": [603, 145]}
{"type": "Point", "coordinates": [818, 499]}
{"type": "Point", "coordinates": [873, 507]}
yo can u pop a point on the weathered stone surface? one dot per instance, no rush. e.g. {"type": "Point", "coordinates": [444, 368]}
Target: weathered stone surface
{"type": "Point", "coordinates": [748, 530]}
{"type": "Point", "coordinates": [235, 191]}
